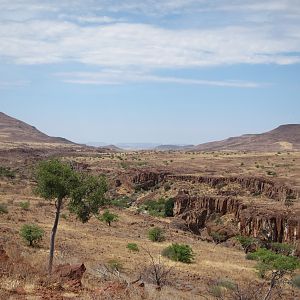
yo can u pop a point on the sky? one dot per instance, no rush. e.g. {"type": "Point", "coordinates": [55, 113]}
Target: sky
{"type": "Point", "coordinates": [169, 72]}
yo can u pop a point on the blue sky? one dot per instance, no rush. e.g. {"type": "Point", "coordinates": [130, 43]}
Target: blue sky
{"type": "Point", "coordinates": [173, 71]}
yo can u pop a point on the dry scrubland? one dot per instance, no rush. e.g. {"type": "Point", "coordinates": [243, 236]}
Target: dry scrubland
{"type": "Point", "coordinates": [95, 243]}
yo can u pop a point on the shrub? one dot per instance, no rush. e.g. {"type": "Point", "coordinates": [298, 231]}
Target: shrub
{"type": "Point", "coordinates": [167, 186]}
{"type": "Point", "coordinates": [25, 205]}
{"type": "Point", "coordinates": [246, 241]}
{"type": "Point", "coordinates": [133, 247]}
{"type": "Point", "coordinates": [282, 248]}
{"type": "Point", "coordinates": [115, 265]}
{"type": "Point", "coordinates": [123, 202]}
{"type": "Point", "coordinates": [31, 233]}
{"type": "Point", "coordinates": [155, 208]}
{"type": "Point", "coordinates": [296, 281]}
{"type": "Point", "coordinates": [169, 206]}
{"type": "Point", "coordinates": [3, 208]}
{"type": "Point", "coordinates": [156, 234]}
{"type": "Point", "coordinates": [218, 237]}
{"type": "Point", "coordinates": [7, 172]}
{"type": "Point", "coordinates": [271, 173]}
{"type": "Point", "coordinates": [179, 252]}
{"type": "Point", "coordinates": [108, 217]}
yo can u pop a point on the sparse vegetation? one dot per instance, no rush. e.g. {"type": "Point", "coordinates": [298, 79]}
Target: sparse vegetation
{"type": "Point", "coordinates": [133, 247]}
{"type": "Point", "coordinates": [179, 252]}
{"type": "Point", "coordinates": [7, 172]}
{"type": "Point", "coordinates": [57, 180]}
{"type": "Point", "coordinates": [3, 208]}
{"type": "Point", "coordinates": [32, 233]}
{"type": "Point", "coordinates": [25, 205]}
{"type": "Point", "coordinates": [156, 234]}
{"type": "Point", "coordinates": [108, 217]}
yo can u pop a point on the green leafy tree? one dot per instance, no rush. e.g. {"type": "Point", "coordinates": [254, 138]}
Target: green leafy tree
{"type": "Point", "coordinates": [156, 234]}
{"type": "Point", "coordinates": [274, 267]}
{"type": "Point", "coordinates": [58, 181]}
{"type": "Point", "coordinates": [108, 217]}
{"type": "Point", "coordinates": [169, 206]}
{"type": "Point", "coordinates": [31, 233]}
{"type": "Point", "coordinates": [179, 252]}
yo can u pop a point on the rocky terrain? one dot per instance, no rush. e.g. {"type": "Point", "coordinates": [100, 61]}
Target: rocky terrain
{"type": "Point", "coordinates": [284, 137]}
{"type": "Point", "coordinates": [217, 196]}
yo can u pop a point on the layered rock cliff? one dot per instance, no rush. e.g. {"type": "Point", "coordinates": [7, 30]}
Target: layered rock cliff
{"type": "Point", "coordinates": [275, 224]}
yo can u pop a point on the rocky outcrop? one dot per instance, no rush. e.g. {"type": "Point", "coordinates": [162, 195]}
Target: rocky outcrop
{"type": "Point", "coordinates": [148, 179]}
{"type": "Point", "coordinates": [256, 185]}
{"type": "Point", "coordinates": [274, 224]}
{"type": "Point", "coordinates": [70, 275]}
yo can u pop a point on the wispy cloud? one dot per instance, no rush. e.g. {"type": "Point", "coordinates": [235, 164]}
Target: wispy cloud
{"type": "Point", "coordinates": [13, 84]}
{"type": "Point", "coordinates": [95, 33]}
{"type": "Point", "coordinates": [116, 77]}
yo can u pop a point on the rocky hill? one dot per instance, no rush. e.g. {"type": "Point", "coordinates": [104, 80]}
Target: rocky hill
{"type": "Point", "coordinates": [284, 137]}
{"type": "Point", "coordinates": [16, 131]}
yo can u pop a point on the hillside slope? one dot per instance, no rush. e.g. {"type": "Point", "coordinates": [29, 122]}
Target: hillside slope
{"type": "Point", "coordinates": [15, 131]}
{"type": "Point", "coordinates": [284, 137]}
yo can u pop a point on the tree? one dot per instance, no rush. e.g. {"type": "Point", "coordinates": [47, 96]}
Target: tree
{"type": "Point", "coordinates": [274, 267]}
{"type": "Point", "coordinates": [31, 233]}
{"type": "Point", "coordinates": [108, 217]}
{"type": "Point", "coordinates": [179, 252]}
{"type": "Point", "coordinates": [58, 181]}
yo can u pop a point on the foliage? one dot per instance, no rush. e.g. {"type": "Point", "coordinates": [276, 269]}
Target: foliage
{"type": "Point", "coordinates": [7, 172]}
{"type": "Point", "coordinates": [123, 202]}
{"type": "Point", "coordinates": [115, 265]}
{"type": "Point", "coordinates": [88, 196]}
{"type": "Point", "coordinates": [246, 241]}
{"type": "Point", "coordinates": [296, 281]}
{"type": "Point", "coordinates": [108, 217]}
{"type": "Point", "coordinates": [169, 206]}
{"type": "Point", "coordinates": [3, 208]}
{"type": "Point", "coordinates": [31, 233]}
{"type": "Point", "coordinates": [179, 252]}
{"type": "Point", "coordinates": [133, 247]}
{"type": "Point", "coordinates": [271, 261]}
{"type": "Point", "coordinates": [282, 248]}
{"type": "Point", "coordinates": [218, 237]}
{"type": "Point", "coordinates": [159, 208]}
{"type": "Point", "coordinates": [25, 205]}
{"type": "Point", "coordinates": [156, 234]}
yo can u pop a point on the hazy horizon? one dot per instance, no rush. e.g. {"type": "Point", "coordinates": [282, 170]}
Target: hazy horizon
{"type": "Point", "coordinates": [166, 72]}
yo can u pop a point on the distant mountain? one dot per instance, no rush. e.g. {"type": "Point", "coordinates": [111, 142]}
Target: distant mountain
{"type": "Point", "coordinates": [15, 131]}
{"type": "Point", "coordinates": [174, 147]}
{"type": "Point", "coordinates": [284, 137]}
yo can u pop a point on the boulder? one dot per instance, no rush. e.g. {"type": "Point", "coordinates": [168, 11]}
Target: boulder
{"type": "Point", "coordinates": [70, 275]}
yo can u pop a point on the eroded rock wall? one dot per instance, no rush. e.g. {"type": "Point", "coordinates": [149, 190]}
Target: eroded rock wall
{"type": "Point", "coordinates": [256, 185]}
{"type": "Point", "coordinates": [276, 225]}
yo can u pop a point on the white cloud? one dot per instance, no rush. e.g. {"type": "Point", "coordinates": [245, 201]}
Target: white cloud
{"type": "Point", "coordinates": [140, 45]}
{"type": "Point", "coordinates": [95, 33]}
{"type": "Point", "coordinates": [13, 84]}
{"type": "Point", "coordinates": [116, 77]}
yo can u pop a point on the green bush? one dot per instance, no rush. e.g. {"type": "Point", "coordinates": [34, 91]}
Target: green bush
{"type": "Point", "coordinates": [3, 208]}
{"type": "Point", "coordinates": [7, 172]}
{"type": "Point", "coordinates": [282, 248]}
{"type": "Point", "coordinates": [156, 234]}
{"type": "Point", "coordinates": [31, 233]}
{"type": "Point", "coordinates": [179, 252]}
{"type": "Point", "coordinates": [123, 202]}
{"type": "Point", "coordinates": [169, 206]}
{"type": "Point", "coordinates": [133, 247]}
{"type": "Point", "coordinates": [167, 186]}
{"type": "Point", "coordinates": [269, 261]}
{"type": "Point", "coordinates": [25, 205]}
{"type": "Point", "coordinates": [218, 237]}
{"type": "Point", "coordinates": [108, 217]}
{"type": "Point", "coordinates": [246, 241]}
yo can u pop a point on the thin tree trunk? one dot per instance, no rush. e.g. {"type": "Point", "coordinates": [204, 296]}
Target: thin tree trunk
{"type": "Point", "coordinates": [53, 233]}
